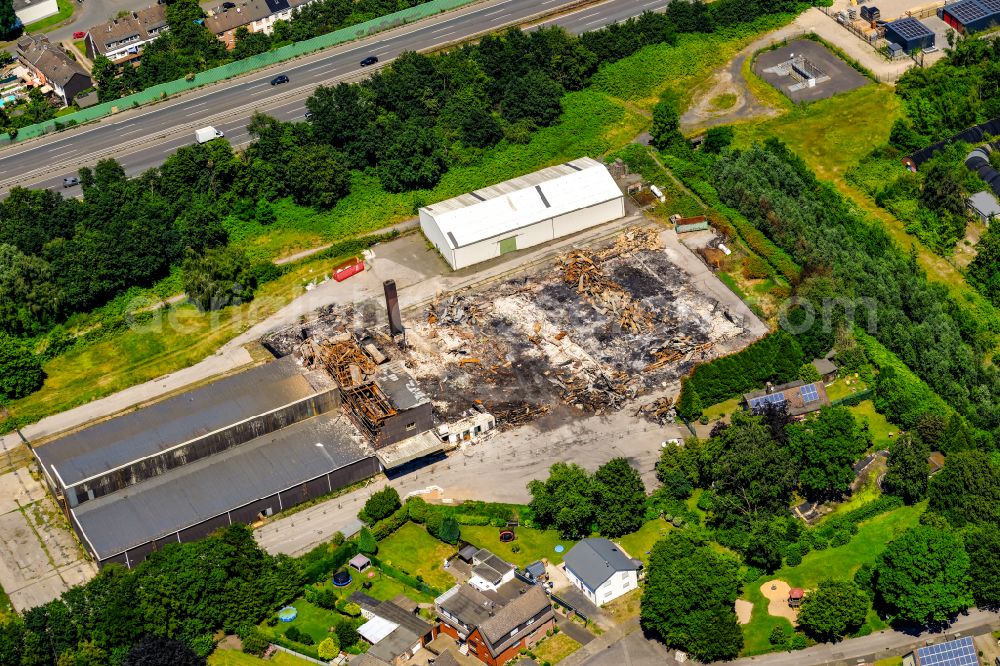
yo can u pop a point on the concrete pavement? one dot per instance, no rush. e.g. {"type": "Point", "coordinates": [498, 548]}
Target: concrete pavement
{"type": "Point", "coordinates": [144, 137]}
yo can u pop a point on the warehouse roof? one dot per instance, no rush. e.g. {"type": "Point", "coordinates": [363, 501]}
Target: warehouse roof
{"type": "Point", "coordinates": [520, 202]}
{"type": "Point", "coordinates": [152, 429]}
{"type": "Point", "coordinates": [188, 495]}
{"type": "Point", "coordinates": [909, 28]}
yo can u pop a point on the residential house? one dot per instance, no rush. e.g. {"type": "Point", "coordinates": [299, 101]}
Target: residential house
{"type": "Point", "coordinates": [394, 629]}
{"type": "Point", "coordinates": [489, 572]}
{"type": "Point", "coordinates": [122, 38]}
{"type": "Point", "coordinates": [601, 570]}
{"type": "Point", "coordinates": [254, 15]}
{"type": "Point", "coordinates": [495, 625]}
{"type": "Point", "coordinates": [798, 397]}
{"type": "Point", "coordinates": [958, 652]}
{"type": "Point", "coordinates": [29, 11]}
{"type": "Point", "coordinates": [51, 66]}
{"type": "Point", "coordinates": [984, 206]}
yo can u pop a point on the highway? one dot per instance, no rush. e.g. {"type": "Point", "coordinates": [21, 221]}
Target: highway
{"type": "Point", "coordinates": [144, 137]}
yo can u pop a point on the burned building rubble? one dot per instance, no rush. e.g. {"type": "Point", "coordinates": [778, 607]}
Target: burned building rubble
{"type": "Point", "coordinates": [591, 332]}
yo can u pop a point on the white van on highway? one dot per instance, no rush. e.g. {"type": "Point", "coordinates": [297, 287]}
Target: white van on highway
{"type": "Point", "coordinates": [207, 134]}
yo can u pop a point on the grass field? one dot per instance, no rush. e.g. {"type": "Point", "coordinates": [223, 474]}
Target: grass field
{"type": "Point", "coordinates": [882, 431]}
{"type": "Point", "coordinates": [717, 411]}
{"type": "Point", "coordinates": [555, 648]}
{"type": "Point", "coordinates": [638, 544]}
{"type": "Point", "coordinates": [234, 658]}
{"type": "Point", "coordinates": [841, 389]}
{"type": "Point", "coordinates": [311, 620]}
{"type": "Point", "coordinates": [416, 552]}
{"type": "Point", "coordinates": [532, 544]}
{"type": "Point", "coordinates": [839, 563]}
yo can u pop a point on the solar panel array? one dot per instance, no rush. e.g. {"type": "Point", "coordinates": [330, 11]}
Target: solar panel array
{"type": "Point", "coordinates": [960, 652]}
{"type": "Point", "coordinates": [765, 400]}
{"type": "Point", "coordinates": [967, 11]}
{"type": "Point", "coordinates": [910, 28]}
{"type": "Point", "coordinates": [992, 6]}
{"type": "Point", "coordinates": [809, 393]}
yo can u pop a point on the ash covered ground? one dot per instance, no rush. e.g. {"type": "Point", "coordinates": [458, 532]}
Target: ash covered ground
{"type": "Point", "coordinates": [588, 333]}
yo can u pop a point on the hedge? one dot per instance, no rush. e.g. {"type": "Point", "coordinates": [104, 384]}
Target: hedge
{"type": "Point", "coordinates": [319, 562]}
{"type": "Point", "coordinates": [405, 578]}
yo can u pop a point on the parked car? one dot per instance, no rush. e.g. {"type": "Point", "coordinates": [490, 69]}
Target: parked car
{"type": "Point", "coordinates": [279, 79]}
{"type": "Point", "coordinates": [70, 181]}
{"type": "Point", "coordinates": [370, 60]}
{"type": "Point", "coordinates": [79, 35]}
{"type": "Point", "coordinates": [229, 5]}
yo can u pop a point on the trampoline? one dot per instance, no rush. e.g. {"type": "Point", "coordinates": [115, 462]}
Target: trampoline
{"type": "Point", "coordinates": [287, 614]}
{"type": "Point", "coordinates": [341, 579]}
{"type": "Point", "coordinates": [506, 536]}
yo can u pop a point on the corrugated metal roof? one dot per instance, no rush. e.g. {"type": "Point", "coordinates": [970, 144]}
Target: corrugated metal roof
{"type": "Point", "coordinates": [502, 208]}
{"type": "Point", "coordinates": [159, 426]}
{"type": "Point", "coordinates": [193, 493]}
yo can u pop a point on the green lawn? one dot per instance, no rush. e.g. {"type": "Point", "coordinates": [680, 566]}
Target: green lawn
{"type": "Point", "coordinates": [716, 412]}
{"type": "Point", "coordinates": [311, 620]}
{"type": "Point", "coordinates": [531, 544]}
{"type": "Point", "coordinates": [841, 389]}
{"type": "Point", "coordinates": [66, 9]}
{"type": "Point", "coordinates": [879, 427]}
{"type": "Point", "coordinates": [638, 544]}
{"type": "Point", "coordinates": [416, 552]}
{"type": "Point", "coordinates": [555, 648]}
{"type": "Point", "coordinates": [234, 658]}
{"type": "Point", "coordinates": [839, 563]}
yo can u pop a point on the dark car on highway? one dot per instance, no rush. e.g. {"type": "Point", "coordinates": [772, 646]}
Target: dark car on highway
{"type": "Point", "coordinates": [370, 60]}
{"type": "Point", "coordinates": [70, 181]}
{"type": "Point", "coordinates": [281, 78]}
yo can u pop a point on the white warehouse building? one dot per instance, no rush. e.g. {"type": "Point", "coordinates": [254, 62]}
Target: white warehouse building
{"type": "Point", "coordinates": [522, 212]}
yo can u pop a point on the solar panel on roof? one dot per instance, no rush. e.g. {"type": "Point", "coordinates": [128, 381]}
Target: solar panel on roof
{"type": "Point", "coordinates": [809, 393]}
{"type": "Point", "coordinates": [959, 652]}
{"type": "Point", "coordinates": [992, 6]}
{"type": "Point", "coordinates": [765, 400]}
{"type": "Point", "coordinates": [967, 11]}
{"type": "Point", "coordinates": [910, 28]}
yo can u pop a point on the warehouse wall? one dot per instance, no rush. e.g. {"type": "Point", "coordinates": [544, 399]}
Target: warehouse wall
{"type": "Point", "coordinates": [434, 235]}
{"type": "Point", "coordinates": [248, 513]}
{"type": "Point", "coordinates": [485, 250]}
{"type": "Point", "coordinates": [586, 218]}
{"type": "Point", "coordinates": [210, 444]}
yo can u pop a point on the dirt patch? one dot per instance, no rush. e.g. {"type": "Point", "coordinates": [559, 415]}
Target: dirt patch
{"type": "Point", "coordinates": [776, 591]}
{"type": "Point", "coordinates": [744, 610]}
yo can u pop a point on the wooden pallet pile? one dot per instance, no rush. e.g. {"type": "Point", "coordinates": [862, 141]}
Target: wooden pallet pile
{"type": "Point", "coordinates": [516, 413]}
{"type": "Point", "coordinates": [605, 295]}
{"type": "Point", "coordinates": [660, 411]}
{"type": "Point", "coordinates": [676, 350]}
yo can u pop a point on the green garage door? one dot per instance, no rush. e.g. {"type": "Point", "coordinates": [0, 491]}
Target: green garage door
{"type": "Point", "coordinates": [508, 245]}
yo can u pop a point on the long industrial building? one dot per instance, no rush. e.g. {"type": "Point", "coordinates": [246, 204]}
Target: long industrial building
{"type": "Point", "coordinates": [522, 212]}
{"type": "Point", "coordinates": [236, 450]}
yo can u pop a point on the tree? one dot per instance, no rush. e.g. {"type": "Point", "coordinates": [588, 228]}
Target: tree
{"type": "Point", "coordinates": [619, 498]}
{"type": "Point", "coordinates": [159, 651]}
{"type": "Point", "coordinates": [381, 504]}
{"type": "Point", "coordinates": [347, 635]}
{"type": "Point", "coordinates": [983, 272]}
{"type": "Point", "coordinates": [317, 177]}
{"type": "Point", "coordinates": [967, 490]}
{"type": "Point", "coordinates": [688, 598]}
{"type": "Point", "coordinates": [219, 278]}
{"type": "Point", "coordinates": [665, 132]}
{"type": "Point", "coordinates": [20, 370]}
{"type": "Point", "coordinates": [253, 640]}
{"type": "Point", "coordinates": [450, 531]}
{"type": "Point", "coordinates": [833, 610]}
{"type": "Point", "coordinates": [764, 548]}
{"type": "Point", "coordinates": [410, 156]}
{"type": "Point", "coordinates": [564, 501]}
{"type": "Point", "coordinates": [717, 139]}
{"type": "Point", "coordinates": [907, 469]}
{"type": "Point", "coordinates": [983, 544]}
{"type": "Point", "coordinates": [328, 648]}
{"type": "Point", "coordinates": [825, 448]}
{"type": "Point", "coordinates": [922, 576]}
{"type": "Point", "coordinates": [689, 404]}
{"type": "Point", "coordinates": [366, 542]}
{"type": "Point", "coordinates": [535, 98]}
{"type": "Point", "coordinates": [10, 25]}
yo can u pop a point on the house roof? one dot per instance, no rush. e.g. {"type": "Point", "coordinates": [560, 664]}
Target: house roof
{"type": "Point", "coordinates": [596, 560]}
{"type": "Point", "coordinates": [366, 659]}
{"type": "Point", "coordinates": [824, 366]}
{"type": "Point", "coordinates": [515, 613]}
{"type": "Point", "coordinates": [520, 202]}
{"type": "Point", "coordinates": [49, 59]}
{"type": "Point", "coordinates": [406, 603]}
{"type": "Point", "coordinates": [195, 492]}
{"type": "Point", "coordinates": [490, 567]}
{"type": "Point", "coordinates": [536, 569]}
{"type": "Point", "coordinates": [220, 19]}
{"type": "Point", "coordinates": [403, 617]}
{"type": "Point", "coordinates": [399, 386]}
{"type": "Point", "coordinates": [798, 396]}
{"type": "Point", "coordinates": [468, 552]}
{"type": "Point", "coordinates": [796, 593]}
{"type": "Point", "coordinates": [363, 600]}
{"type": "Point", "coordinates": [376, 629]}
{"type": "Point", "coordinates": [959, 652]}
{"type": "Point", "coordinates": [398, 641]}
{"type": "Point", "coordinates": [136, 27]}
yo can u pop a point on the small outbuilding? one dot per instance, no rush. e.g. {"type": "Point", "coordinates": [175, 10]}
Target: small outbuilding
{"type": "Point", "coordinates": [984, 206]}
{"type": "Point", "coordinates": [360, 562]}
{"type": "Point", "coordinates": [826, 369]}
{"type": "Point", "coordinates": [523, 212]}
{"type": "Point", "coordinates": [910, 34]}
{"type": "Point", "coordinates": [795, 597]}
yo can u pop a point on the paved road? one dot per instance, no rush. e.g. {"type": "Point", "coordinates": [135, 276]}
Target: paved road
{"type": "Point", "coordinates": [144, 137]}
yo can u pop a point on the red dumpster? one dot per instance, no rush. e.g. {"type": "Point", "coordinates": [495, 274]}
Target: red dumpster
{"type": "Point", "coordinates": [348, 268]}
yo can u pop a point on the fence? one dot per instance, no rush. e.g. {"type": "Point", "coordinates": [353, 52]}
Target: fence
{"type": "Point", "coordinates": [299, 655]}
{"type": "Point", "coordinates": [239, 67]}
{"type": "Point", "coordinates": [853, 399]}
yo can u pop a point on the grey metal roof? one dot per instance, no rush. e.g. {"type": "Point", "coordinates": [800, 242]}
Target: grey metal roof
{"type": "Point", "coordinates": [395, 613]}
{"type": "Point", "coordinates": [536, 569]}
{"type": "Point", "coordinates": [985, 204]}
{"type": "Point", "coordinates": [149, 430]}
{"type": "Point", "coordinates": [193, 493]}
{"type": "Point", "coordinates": [595, 560]}
{"type": "Point", "coordinates": [490, 567]}
{"type": "Point", "coordinates": [399, 386]}
{"type": "Point", "coordinates": [399, 641]}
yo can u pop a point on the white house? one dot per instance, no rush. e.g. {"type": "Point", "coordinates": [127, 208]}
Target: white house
{"type": "Point", "coordinates": [523, 212]}
{"type": "Point", "coordinates": [489, 571]}
{"type": "Point", "coordinates": [601, 570]}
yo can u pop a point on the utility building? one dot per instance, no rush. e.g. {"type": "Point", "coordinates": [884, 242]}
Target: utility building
{"type": "Point", "coordinates": [968, 16]}
{"type": "Point", "coordinates": [910, 34]}
{"type": "Point", "coordinates": [522, 212]}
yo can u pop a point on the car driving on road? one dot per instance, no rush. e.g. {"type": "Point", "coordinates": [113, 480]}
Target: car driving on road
{"type": "Point", "coordinates": [278, 80]}
{"type": "Point", "coordinates": [370, 60]}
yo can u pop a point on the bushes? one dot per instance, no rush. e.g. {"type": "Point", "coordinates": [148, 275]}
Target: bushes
{"type": "Point", "coordinates": [380, 505]}
{"type": "Point", "coordinates": [321, 560]}
{"type": "Point", "coordinates": [776, 358]}
{"type": "Point", "coordinates": [384, 528]}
